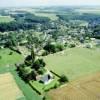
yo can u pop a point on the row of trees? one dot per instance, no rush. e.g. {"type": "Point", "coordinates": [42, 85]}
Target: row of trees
{"type": "Point", "coordinates": [91, 18]}
{"type": "Point", "coordinates": [16, 25]}
{"type": "Point", "coordinates": [96, 31]}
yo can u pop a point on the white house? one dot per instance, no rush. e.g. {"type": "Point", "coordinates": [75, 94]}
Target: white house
{"type": "Point", "coordinates": [46, 78]}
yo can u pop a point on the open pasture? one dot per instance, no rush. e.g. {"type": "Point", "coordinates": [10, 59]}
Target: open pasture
{"type": "Point", "coordinates": [88, 10]}
{"type": "Point", "coordinates": [74, 62]}
{"type": "Point", "coordinates": [6, 19]}
{"type": "Point", "coordinates": [49, 15]}
{"type": "Point", "coordinates": [8, 59]}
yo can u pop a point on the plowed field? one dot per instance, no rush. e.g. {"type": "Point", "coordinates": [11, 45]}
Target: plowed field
{"type": "Point", "coordinates": [87, 88]}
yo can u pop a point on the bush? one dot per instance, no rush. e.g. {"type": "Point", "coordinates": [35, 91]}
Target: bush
{"type": "Point", "coordinates": [44, 98]}
{"type": "Point", "coordinates": [64, 78]}
{"type": "Point", "coordinates": [41, 71]}
{"type": "Point", "coordinates": [66, 44]}
{"type": "Point", "coordinates": [72, 45]}
{"type": "Point", "coordinates": [51, 48]}
{"type": "Point", "coordinates": [45, 53]}
{"type": "Point", "coordinates": [10, 53]}
{"type": "Point", "coordinates": [59, 47]}
{"type": "Point", "coordinates": [55, 86]}
{"type": "Point", "coordinates": [42, 63]}
{"type": "Point", "coordinates": [0, 57]}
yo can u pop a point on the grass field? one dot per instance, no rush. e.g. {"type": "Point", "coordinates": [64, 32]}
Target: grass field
{"type": "Point", "coordinates": [7, 61]}
{"type": "Point", "coordinates": [51, 16]}
{"type": "Point", "coordinates": [9, 89]}
{"type": "Point", "coordinates": [88, 10]}
{"type": "Point", "coordinates": [87, 88]}
{"type": "Point", "coordinates": [75, 62]}
{"type": "Point", "coordinates": [7, 65]}
{"type": "Point", "coordinates": [6, 19]}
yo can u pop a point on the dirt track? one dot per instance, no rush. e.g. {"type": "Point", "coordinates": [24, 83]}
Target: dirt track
{"type": "Point", "coordinates": [87, 88]}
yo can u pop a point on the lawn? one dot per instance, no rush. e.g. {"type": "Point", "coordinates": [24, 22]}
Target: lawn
{"type": "Point", "coordinates": [74, 62]}
{"type": "Point", "coordinates": [41, 88]}
{"type": "Point", "coordinates": [7, 65]}
{"type": "Point", "coordinates": [6, 19]}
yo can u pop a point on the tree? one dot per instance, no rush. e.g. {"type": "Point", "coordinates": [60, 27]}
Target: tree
{"type": "Point", "coordinates": [59, 47]}
{"type": "Point", "coordinates": [64, 78]}
{"type": "Point", "coordinates": [42, 63]}
{"type": "Point", "coordinates": [51, 48]}
{"type": "Point", "coordinates": [26, 73]}
{"type": "Point", "coordinates": [11, 40]}
{"type": "Point", "coordinates": [32, 55]}
{"type": "Point", "coordinates": [72, 45]}
{"type": "Point", "coordinates": [39, 63]}
{"type": "Point", "coordinates": [45, 53]}
{"type": "Point", "coordinates": [36, 65]}
{"type": "Point", "coordinates": [28, 60]}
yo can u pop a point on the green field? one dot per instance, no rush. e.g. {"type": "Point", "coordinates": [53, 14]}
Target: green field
{"type": "Point", "coordinates": [7, 65]}
{"type": "Point", "coordinates": [51, 16]}
{"type": "Point", "coordinates": [88, 10]}
{"type": "Point", "coordinates": [7, 61]}
{"type": "Point", "coordinates": [6, 19]}
{"type": "Point", "coordinates": [75, 62]}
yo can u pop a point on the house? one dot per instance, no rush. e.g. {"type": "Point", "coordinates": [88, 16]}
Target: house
{"type": "Point", "coordinates": [45, 79]}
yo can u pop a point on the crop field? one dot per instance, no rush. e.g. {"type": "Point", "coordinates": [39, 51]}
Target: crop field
{"type": "Point", "coordinates": [87, 88]}
{"type": "Point", "coordinates": [74, 62]}
{"type": "Point", "coordinates": [5, 19]}
{"type": "Point", "coordinates": [51, 16]}
{"type": "Point", "coordinates": [9, 89]}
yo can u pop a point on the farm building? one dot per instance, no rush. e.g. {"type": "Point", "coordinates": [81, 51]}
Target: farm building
{"type": "Point", "coordinates": [45, 79]}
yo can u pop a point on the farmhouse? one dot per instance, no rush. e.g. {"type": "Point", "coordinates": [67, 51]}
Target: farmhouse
{"type": "Point", "coordinates": [45, 79]}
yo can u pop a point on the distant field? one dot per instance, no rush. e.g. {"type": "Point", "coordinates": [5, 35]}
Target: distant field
{"type": "Point", "coordinates": [9, 89]}
{"type": "Point", "coordinates": [5, 19]}
{"type": "Point", "coordinates": [87, 88]}
{"type": "Point", "coordinates": [88, 10]}
{"type": "Point", "coordinates": [51, 16]}
{"type": "Point", "coordinates": [75, 62]}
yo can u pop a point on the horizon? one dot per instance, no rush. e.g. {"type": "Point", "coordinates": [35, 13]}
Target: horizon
{"type": "Point", "coordinates": [47, 3]}
{"type": "Point", "coordinates": [47, 6]}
